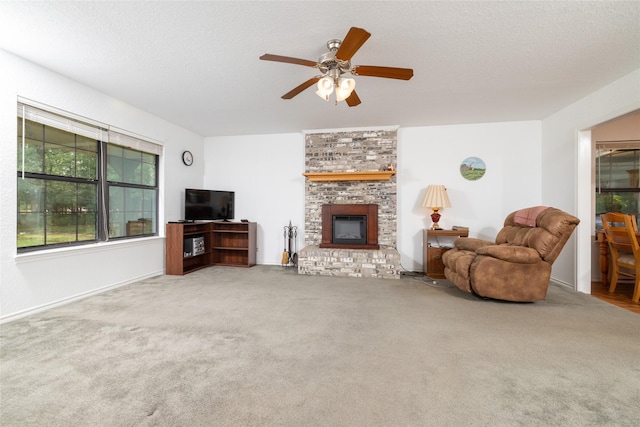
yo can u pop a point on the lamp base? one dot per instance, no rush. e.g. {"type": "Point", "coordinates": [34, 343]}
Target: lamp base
{"type": "Point", "coordinates": [435, 217]}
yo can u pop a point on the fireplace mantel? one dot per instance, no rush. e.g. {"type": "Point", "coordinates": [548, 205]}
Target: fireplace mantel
{"type": "Point", "coordinates": [350, 176]}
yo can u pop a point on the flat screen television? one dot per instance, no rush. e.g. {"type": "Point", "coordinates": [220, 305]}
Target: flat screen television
{"type": "Point", "coordinates": [200, 205]}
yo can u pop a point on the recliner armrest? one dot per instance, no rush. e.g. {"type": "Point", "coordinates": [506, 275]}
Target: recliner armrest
{"type": "Point", "coordinates": [517, 254]}
{"type": "Point", "coordinates": [471, 244]}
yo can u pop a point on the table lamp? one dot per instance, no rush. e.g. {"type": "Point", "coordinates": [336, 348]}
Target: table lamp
{"type": "Point", "coordinates": [436, 199]}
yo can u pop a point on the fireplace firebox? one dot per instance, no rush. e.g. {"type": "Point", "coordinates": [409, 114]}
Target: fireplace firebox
{"type": "Point", "coordinates": [349, 229]}
{"type": "Point", "coordinates": [347, 226]}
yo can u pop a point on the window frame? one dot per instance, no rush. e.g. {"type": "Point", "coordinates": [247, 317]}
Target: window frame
{"type": "Point", "coordinates": [605, 187]}
{"type": "Point", "coordinates": [108, 184]}
{"type": "Point", "coordinates": [105, 136]}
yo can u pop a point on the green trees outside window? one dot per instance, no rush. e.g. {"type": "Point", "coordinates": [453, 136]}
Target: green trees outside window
{"type": "Point", "coordinates": [132, 177]}
{"type": "Point", "coordinates": [57, 188]}
{"type": "Point", "coordinates": [60, 188]}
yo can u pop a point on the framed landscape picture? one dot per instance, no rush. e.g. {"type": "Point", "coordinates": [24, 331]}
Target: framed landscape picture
{"type": "Point", "coordinates": [472, 168]}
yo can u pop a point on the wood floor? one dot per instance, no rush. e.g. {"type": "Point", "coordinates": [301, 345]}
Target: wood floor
{"type": "Point", "coordinates": [621, 297]}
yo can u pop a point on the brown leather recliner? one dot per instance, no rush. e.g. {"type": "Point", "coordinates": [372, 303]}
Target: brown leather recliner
{"type": "Point", "coordinates": [517, 266]}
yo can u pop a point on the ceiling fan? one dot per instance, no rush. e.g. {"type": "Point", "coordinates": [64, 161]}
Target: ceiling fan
{"type": "Point", "coordinates": [336, 62]}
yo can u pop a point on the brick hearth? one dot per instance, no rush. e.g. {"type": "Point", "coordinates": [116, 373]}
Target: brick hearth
{"type": "Point", "coordinates": [382, 263]}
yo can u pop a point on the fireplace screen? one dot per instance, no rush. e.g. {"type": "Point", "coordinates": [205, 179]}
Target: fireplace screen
{"type": "Point", "coordinates": [349, 229]}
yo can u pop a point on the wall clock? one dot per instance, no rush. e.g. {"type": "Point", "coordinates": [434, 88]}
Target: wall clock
{"type": "Point", "coordinates": [187, 158]}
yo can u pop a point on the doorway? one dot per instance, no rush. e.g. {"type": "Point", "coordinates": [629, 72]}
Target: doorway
{"type": "Point", "coordinates": [619, 129]}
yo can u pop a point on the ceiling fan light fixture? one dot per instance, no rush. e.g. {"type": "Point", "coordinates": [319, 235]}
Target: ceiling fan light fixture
{"type": "Point", "coordinates": [325, 87]}
{"type": "Point", "coordinates": [322, 95]}
{"type": "Point", "coordinates": [346, 85]}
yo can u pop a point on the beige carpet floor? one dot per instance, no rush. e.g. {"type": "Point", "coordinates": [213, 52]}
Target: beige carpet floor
{"type": "Point", "coordinates": [267, 347]}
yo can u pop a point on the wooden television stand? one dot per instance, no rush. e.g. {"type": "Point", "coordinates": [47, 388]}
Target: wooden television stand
{"type": "Point", "coordinates": [225, 243]}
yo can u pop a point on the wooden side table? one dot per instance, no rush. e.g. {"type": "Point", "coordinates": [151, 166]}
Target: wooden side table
{"type": "Point", "coordinates": [432, 255]}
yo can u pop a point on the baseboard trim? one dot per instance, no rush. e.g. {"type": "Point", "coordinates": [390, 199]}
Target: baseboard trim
{"type": "Point", "coordinates": [48, 306]}
{"type": "Point", "coordinates": [563, 284]}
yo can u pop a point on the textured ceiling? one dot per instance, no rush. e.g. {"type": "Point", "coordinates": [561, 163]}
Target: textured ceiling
{"type": "Point", "coordinates": [196, 63]}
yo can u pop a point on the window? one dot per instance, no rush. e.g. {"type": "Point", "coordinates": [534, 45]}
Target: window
{"type": "Point", "coordinates": [132, 188]}
{"type": "Point", "coordinates": [80, 183]}
{"type": "Point", "coordinates": [617, 178]}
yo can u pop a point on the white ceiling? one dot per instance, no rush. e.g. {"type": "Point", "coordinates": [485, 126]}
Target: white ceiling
{"type": "Point", "coordinates": [196, 63]}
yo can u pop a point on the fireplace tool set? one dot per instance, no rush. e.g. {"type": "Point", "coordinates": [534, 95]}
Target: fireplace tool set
{"type": "Point", "coordinates": [289, 254]}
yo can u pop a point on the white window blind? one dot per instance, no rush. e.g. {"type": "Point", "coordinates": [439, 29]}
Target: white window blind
{"type": "Point", "coordinates": [125, 140]}
{"type": "Point", "coordinates": [618, 145]}
{"type": "Point", "coordinates": [85, 127]}
{"type": "Point", "coordinates": [54, 120]}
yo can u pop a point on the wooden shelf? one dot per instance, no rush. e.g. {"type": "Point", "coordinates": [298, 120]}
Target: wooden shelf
{"type": "Point", "coordinates": [350, 176]}
{"type": "Point", "coordinates": [226, 243]}
{"type": "Point", "coordinates": [176, 236]}
{"type": "Point", "coordinates": [233, 244]}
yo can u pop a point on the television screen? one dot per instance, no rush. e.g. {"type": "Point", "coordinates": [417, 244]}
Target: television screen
{"type": "Point", "coordinates": [202, 205]}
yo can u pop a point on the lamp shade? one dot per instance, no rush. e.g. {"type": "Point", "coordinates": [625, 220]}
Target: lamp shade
{"type": "Point", "coordinates": [436, 197]}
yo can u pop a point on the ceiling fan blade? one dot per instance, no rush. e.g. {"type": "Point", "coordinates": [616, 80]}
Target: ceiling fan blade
{"type": "Point", "coordinates": [353, 99]}
{"type": "Point", "coordinates": [288, 60]}
{"type": "Point", "coordinates": [354, 39]}
{"type": "Point", "coordinates": [301, 87]}
{"type": "Point", "coordinates": [386, 72]}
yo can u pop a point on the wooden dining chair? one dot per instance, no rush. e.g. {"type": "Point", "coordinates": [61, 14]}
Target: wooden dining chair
{"type": "Point", "coordinates": [620, 230]}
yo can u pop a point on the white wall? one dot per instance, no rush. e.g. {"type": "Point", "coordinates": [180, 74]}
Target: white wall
{"type": "Point", "coordinates": [266, 173]}
{"type": "Point", "coordinates": [34, 281]}
{"type": "Point", "coordinates": [567, 180]}
{"type": "Point", "coordinates": [432, 155]}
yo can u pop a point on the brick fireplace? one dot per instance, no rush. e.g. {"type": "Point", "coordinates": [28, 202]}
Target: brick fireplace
{"type": "Point", "coordinates": [345, 168]}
